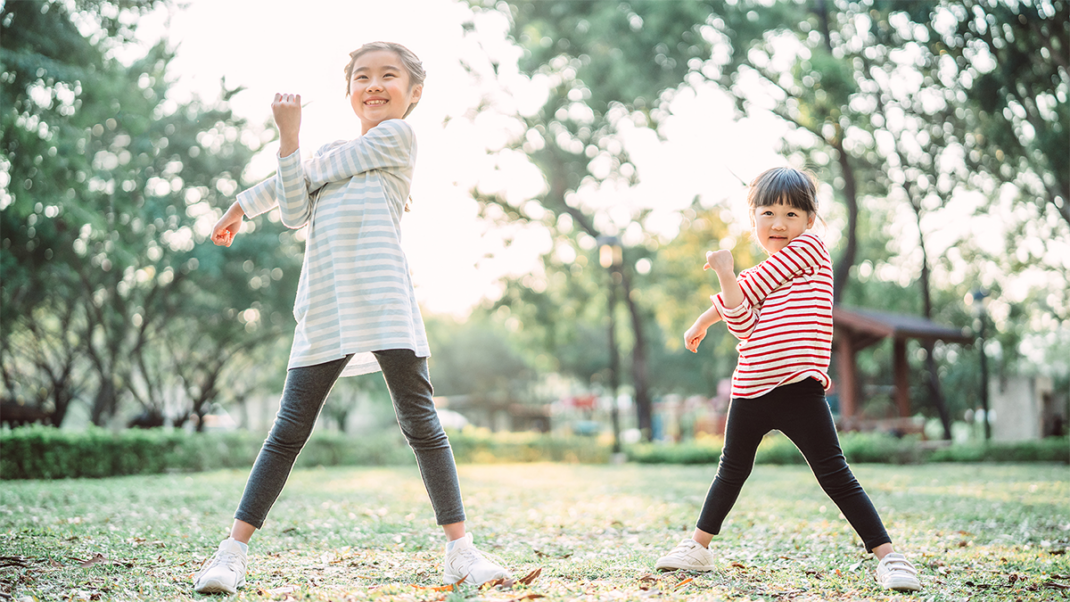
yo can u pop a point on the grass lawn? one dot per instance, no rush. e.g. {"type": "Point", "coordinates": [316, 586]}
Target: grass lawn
{"type": "Point", "coordinates": [976, 532]}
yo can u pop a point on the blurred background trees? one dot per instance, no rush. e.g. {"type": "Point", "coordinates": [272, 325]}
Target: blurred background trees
{"type": "Point", "coordinates": [909, 112]}
{"type": "Point", "coordinates": [938, 129]}
{"type": "Point", "coordinates": [109, 185]}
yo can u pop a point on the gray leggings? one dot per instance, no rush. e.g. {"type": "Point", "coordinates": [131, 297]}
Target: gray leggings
{"type": "Point", "coordinates": [302, 399]}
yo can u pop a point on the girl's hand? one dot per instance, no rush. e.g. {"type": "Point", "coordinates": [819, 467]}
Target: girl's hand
{"type": "Point", "coordinates": [720, 261]}
{"type": "Point", "coordinates": [227, 227]}
{"type": "Point", "coordinates": [693, 337]}
{"type": "Point", "coordinates": [287, 112]}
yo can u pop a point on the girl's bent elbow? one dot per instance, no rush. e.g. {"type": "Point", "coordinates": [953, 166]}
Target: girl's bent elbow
{"type": "Point", "coordinates": [294, 224]}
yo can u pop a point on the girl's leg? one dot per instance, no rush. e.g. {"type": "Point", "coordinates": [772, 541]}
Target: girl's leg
{"type": "Point", "coordinates": [744, 430]}
{"type": "Point", "coordinates": [805, 418]}
{"type": "Point", "coordinates": [410, 387]}
{"type": "Point", "coordinates": [302, 399]}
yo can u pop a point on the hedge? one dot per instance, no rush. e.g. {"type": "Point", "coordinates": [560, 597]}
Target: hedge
{"type": "Point", "coordinates": [39, 452]}
{"type": "Point", "coordinates": [861, 448]}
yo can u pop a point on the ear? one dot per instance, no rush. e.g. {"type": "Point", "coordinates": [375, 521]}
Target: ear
{"type": "Point", "coordinates": [811, 220]}
{"type": "Point", "coordinates": [417, 92]}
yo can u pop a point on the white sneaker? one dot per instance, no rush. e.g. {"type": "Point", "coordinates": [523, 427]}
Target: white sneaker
{"type": "Point", "coordinates": [224, 572]}
{"type": "Point", "coordinates": [688, 556]}
{"type": "Point", "coordinates": [465, 562]}
{"type": "Point", "coordinates": [894, 571]}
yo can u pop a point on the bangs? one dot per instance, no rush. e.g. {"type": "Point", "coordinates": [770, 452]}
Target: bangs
{"type": "Point", "coordinates": [784, 186]}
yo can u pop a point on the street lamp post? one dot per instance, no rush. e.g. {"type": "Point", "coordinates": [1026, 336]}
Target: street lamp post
{"type": "Point", "coordinates": [978, 296]}
{"type": "Point", "coordinates": [610, 256]}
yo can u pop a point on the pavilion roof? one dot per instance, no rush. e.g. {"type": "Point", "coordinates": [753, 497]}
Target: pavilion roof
{"type": "Point", "coordinates": [871, 325]}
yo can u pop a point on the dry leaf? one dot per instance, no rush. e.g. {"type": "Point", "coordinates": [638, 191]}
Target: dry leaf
{"type": "Point", "coordinates": [531, 577]}
{"type": "Point", "coordinates": [503, 582]}
{"type": "Point", "coordinates": [439, 588]}
{"type": "Point", "coordinates": [737, 565]}
{"type": "Point", "coordinates": [683, 583]}
{"type": "Point", "coordinates": [648, 578]}
{"type": "Point", "coordinates": [99, 558]}
{"type": "Point", "coordinates": [542, 554]}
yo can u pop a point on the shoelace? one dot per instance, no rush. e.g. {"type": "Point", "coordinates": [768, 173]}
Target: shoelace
{"type": "Point", "coordinates": [472, 556]}
{"type": "Point", "coordinates": [220, 558]}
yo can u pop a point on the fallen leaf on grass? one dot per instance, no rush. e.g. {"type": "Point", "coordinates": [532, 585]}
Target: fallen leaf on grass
{"type": "Point", "coordinates": [531, 596]}
{"type": "Point", "coordinates": [19, 561]}
{"type": "Point", "coordinates": [531, 577]}
{"type": "Point", "coordinates": [737, 565]}
{"type": "Point", "coordinates": [278, 591]}
{"type": "Point", "coordinates": [1056, 585]}
{"type": "Point", "coordinates": [502, 582]}
{"type": "Point", "coordinates": [649, 578]}
{"type": "Point", "coordinates": [99, 558]}
{"type": "Point", "coordinates": [542, 554]}
{"type": "Point", "coordinates": [434, 588]}
{"type": "Point", "coordinates": [683, 583]}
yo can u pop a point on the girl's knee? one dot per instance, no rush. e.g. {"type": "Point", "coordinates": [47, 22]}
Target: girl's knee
{"type": "Point", "coordinates": [427, 440]}
{"type": "Point", "coordinates": [734, 472]}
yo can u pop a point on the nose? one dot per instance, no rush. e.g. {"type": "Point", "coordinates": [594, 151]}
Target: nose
{"type": "Point", "coordinates": [375, 86]}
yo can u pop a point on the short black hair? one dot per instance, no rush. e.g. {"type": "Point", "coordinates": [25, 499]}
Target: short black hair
{"type": "Point", "coordinates": [784, 186]}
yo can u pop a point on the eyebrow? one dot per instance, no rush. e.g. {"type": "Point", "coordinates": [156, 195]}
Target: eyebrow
{"type": "Point", "coordinates": [390, 67]}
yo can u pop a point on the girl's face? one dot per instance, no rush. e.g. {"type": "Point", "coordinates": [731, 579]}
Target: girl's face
{"type": "Point", "coordinates": [379, 88]}
{"type": "Point", "coordinates": [777, 225]}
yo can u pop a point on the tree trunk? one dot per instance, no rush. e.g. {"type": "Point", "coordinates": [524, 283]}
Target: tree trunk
{"type": "Point", "coordinates": [933, 381]}
{"type": "Point", "coordinates": [842, 271]}
{"type": "Point", "coordinates": [640, 379]}
{"type": "Point", "coordinates": [104, 404]}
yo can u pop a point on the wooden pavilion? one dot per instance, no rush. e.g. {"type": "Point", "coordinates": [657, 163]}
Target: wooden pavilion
{"type": "Point", "coordinates": [855, 329]}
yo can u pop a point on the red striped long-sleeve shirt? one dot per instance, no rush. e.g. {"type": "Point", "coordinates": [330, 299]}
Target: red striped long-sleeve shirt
{"type": "Point", "coordinates": [784, 324]}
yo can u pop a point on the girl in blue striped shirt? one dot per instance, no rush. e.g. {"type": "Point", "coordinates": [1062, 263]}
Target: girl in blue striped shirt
{"type": "Point", "coordinates": [356, 310]}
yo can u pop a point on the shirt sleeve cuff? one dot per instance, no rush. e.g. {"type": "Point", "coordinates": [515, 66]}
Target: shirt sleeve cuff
{"type": "Point", "coordinates": [735, 312]}
{"type": "Point", "coordinates": [258, 199]}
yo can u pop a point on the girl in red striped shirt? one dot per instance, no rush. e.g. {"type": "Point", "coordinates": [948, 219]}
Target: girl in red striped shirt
{"type": "Point", "coordinates": [781, 312]}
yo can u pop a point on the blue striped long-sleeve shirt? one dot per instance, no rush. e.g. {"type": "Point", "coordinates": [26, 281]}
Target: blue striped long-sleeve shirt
{"type": "Point", "coordinates": [355, 295]}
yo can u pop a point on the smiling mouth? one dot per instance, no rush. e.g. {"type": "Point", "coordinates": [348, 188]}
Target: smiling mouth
{"type": "Point", "coordinates": [375, 102]}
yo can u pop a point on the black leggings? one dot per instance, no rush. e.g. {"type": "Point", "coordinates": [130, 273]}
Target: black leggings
{"type": "Point", "coordinates": [798, 410]}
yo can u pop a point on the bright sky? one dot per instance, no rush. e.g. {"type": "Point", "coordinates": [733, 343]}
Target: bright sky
{"type": "Point", "coordinates": [270, 46]}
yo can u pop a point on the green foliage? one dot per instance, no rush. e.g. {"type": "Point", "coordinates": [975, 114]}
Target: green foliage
{"type": "Point", "coordinates": [111, 296]}
{"type": "Point", "coordinates": [477, 357]}
{"type": "Point", "coordinates": [47, 453]}
{"type": "Point", "coordinates": [1051, 449]}
{"type": "Point", "coordinates": [860, 448]}
{"type": "Point", "coordinates": [480, 446]}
